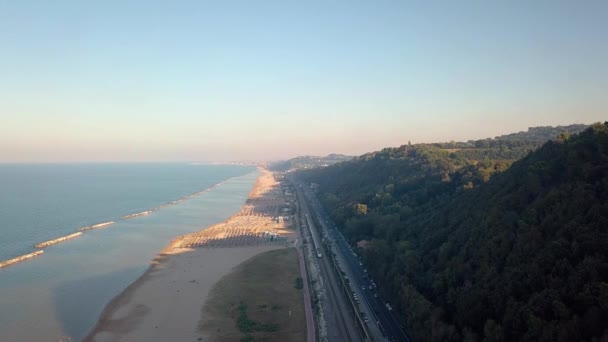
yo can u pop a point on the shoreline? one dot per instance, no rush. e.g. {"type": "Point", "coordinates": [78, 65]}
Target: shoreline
{"type": "Point", "coordinates": [125, 295]}
{"type": "Point", "coordinates": [167, 298]}
{"type": "Point", "coordinates": [39, 247]}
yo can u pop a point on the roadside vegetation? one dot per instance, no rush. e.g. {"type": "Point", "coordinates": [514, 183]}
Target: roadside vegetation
{"type": "Point", "coordinates": [299, 283]}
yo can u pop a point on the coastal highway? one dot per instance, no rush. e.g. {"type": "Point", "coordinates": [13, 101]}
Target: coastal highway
{"type": "Point", "coordinates": [338, 316]}
{"type": "Point", "coordinates": [381, 310]}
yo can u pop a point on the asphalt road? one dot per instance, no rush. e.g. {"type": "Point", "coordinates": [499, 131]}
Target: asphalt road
{"type": "Point", "coordinates": [383, 316]}
{"type": "Point", "coordinates": [340, 324]}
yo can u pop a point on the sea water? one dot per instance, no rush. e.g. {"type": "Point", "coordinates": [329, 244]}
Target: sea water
{"type": "Point", "coordinates": [62, 292]}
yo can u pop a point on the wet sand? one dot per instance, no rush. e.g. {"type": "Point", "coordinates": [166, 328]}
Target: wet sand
{"type": "Point", "coordinates": [165, 302]}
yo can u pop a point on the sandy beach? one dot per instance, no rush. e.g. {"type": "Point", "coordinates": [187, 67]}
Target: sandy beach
{"type": "Point", "coordinates": [165, 303]}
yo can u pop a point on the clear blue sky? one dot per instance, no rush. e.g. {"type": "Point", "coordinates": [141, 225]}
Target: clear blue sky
{"type": "Point", "coordinates": [202, 80]}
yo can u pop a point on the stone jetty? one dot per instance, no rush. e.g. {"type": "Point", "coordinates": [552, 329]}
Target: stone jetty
{"type": "Point", "coordinates": [58, 240]}
{"type": "Point", "coordinates": [97, 226]}
{"type": "Point", "coordinates": [147, 212]}
{"type": "Point", "coordinates": [19, 259]}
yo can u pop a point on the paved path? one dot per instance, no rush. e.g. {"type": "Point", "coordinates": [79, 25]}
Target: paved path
{"type": "Point", "coordinates": [310, 322]}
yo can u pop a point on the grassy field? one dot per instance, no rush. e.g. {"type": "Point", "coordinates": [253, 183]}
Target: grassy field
{"type": "Point", "coordinates": [261, 300]}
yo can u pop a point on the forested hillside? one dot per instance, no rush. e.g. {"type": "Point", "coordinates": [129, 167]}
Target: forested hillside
{"type": "Point", "coordinates": [308, 162]}
{"type": "Point", "coordinates": [468, 248]}
{"type": "Point", "coordinates": [511, 146]}
{"type": "Point", "coordinates": [543, 133]}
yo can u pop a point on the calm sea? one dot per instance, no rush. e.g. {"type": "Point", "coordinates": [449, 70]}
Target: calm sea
{"type": "Point", "coordinates": [64, 290]}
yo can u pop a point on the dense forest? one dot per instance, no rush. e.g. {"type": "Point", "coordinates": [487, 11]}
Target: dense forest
{"type": "Point", "coordinates": [483, 245]}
